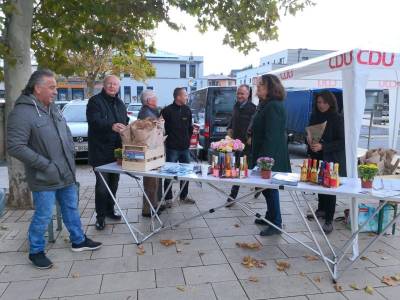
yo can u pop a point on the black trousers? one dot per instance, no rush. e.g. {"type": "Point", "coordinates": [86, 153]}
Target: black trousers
{"type": "Point", "coordinates": [327, 203]}
{"type": "Point", "coordinates": [103, 201]}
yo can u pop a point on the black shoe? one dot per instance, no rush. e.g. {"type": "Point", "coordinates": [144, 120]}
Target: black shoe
{"type": "Point", "coordinates": [260, 222]}
{"type": "Point", "coordinates": [230, 200]}
{"type": "Point", "coordinates": [40, 261]}
{"type": "Point", "coordinates": [86, 245]}
{"type": "Point", "coordinates": [100, 223]}
{"type": "Point", "coordinates": [114, 216]}
{"type": "Point", "coordinates": [270, 231]}
{"type": "Point", "coordinates": [327, 227]}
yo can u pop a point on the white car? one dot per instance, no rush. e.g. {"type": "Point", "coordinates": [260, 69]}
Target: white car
{"type": "Point", "coordinates": [74, 113]}
{"type": "Point", "coordinates": [133, 111]}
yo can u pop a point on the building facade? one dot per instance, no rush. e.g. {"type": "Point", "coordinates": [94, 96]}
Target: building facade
{"type": "Point", "coordinates": [220, 80]}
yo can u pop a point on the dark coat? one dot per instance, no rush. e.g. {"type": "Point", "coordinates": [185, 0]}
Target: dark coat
{"type": "Point", "coordinates": [269, 136]}
{"type": "Point", "coordinates": [40, 138]}
{"type": "Point", "coordinates": [102, 112]}
{"type": "Point", "coordinates": [333, 139]}
{"type": "Point", "coordinates": [178, 126]}
{"type": "Point", "coordinates": [240, 121]}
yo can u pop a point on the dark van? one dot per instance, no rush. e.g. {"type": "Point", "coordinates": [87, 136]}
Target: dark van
{"type": "Point", "coordinates": [212, 109]}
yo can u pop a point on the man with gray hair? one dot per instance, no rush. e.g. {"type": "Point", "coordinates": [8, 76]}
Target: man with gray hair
{"type": "Point", "coordinates": [149, 108]}
{"type": "Point", "coordinates": [107, 117]}
{"type": "Point", "coordinates": [38, 135]}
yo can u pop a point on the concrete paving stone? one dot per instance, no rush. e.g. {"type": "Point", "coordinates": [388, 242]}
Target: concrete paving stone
{"type": "Point", "coordinates": [22, 290]}
{"type": "Point", "coordinates": [91, 230]}
{"type": "Point", "coordinates": [292, 298]}
{"type": "Point", "coordinates": [212, 257]}
{"type": "Point", "coordinates": [128, 281]}
{"type": "Point", "coordinates": [10, 245]}
{"type": "Point", "coordinates": [232, 230]}
{"type": "Point", "coordinates": [104, 266]}
{"type": "Point", "coordinates": [327, 296]}
{"type": "Point", "coordinates": [65, 254]}
{"type": "Point", "coordinates": [265, 253]}
{"type": "Point", "coordinates": [130, 295]}
{"type": "Point", "coordinates": [392, 241]}
{"type": "Point", "coordinates": [244, 273]}
{"type": "Point", "coordinates": [382, 259]}
{"type": "Point", "coordinates": [132, 250]}
{"type": "Point", "coordinates": [301, 264]}
{"type": "Point", "coordinates": [296, 250]}
{"type": "Point", "coordinates": [227, 242]}
{"type": "Point", "coordinates": [3, 287]}
{"type": "Point", "coordinates": [114, 239]}
{"type": "Point", "coordinates": [173, 260]}
{"type": "Point", "coordinates": [362, 295]}
{"type": "Point", "coordinates": [194, 223]}
{"type": "Point", "coordinates": [159, 248]}
{"type": "Point", "coordinates": [13, 258]}
{"type": "Point", "coordinates": [359, 277]}
{"type": "Point", "coordinates": [300, 236]}
{"type": "Point", "coordinates": [390, 293]}
{"type": "Point", "coordinates": [28, 272]}
{"type": "Point", "coordinates": [198, 292]}
{"type": "Point", "coordinates": [385, 271]}
{"type": "Point", "coordinates": [205, 274]}
{"type": "Point", "coordinates": [169, 277]}
{"type": "Point", "coordinates": [178, 234]}
{"type": "Point", "coordinates": [229, 290]}
{"type": "Point", "coordinates": [62, 287]}
{"type": "Point", "coordinates": [278, 286]}
{"type": "Point", "coordinates": [197, 244]}
{"type": "Point", "coordinates": [108, 252]}
{"type": "Point", "coordinates": [270, 240]}
{"type": "Point", "coordinates": [222, 222]}
{"type": "Point", "coordinates": [226, 213]}
{"type": "Point", "coordinates": [200, 233]}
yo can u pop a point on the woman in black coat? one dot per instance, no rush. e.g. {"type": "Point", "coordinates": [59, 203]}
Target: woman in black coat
{"type": "Point", "coordinates": [331, 148]}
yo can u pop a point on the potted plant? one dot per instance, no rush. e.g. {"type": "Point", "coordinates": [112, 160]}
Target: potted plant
{"type": "Point", "coordinates": [367, 173]}
{"type": "Point", "coordinates": [118, 155]}
{"type": "Point", "coordinates": [265, 165]}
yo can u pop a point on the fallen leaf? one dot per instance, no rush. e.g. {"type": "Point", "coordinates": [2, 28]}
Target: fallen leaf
{"type": "Point", "coordinates": [237, 225]}
{"type": "Point", "coordinates": [252, 246]}
{"type": "Point", "coordinates": [388, 281]}
{"type": "Point", "coordinates": [302, 274]}
{"type": "Point", "coordinates": [338, 287]}
{"type": "Point", "coordinates": [282, 265]}
{"type": "Point", "coordinates": [396, 277]}
{"type": "Point", "coordinates": [253, 279]}
{"type": "Point", "coordinates": [364, 258]}
{"type": "Point", "coordinates": [167, 243]}
{"type": "Point", "coordinates": [250, 262]}
{"type": "Point", "coordinates": [354, 286]}
{"type": "Point", "coordinates": [140, 250]}
{"type": "Point", "coordinates": [75, 275]}
{"type": "Point", "coordinates": [311, 257]}
{"type": "Point", "coordinates": [369, 289]}
{"type": "Point", "coordinates": [317, 279]}
{"type": "Point", "coordinates": [180, 288]}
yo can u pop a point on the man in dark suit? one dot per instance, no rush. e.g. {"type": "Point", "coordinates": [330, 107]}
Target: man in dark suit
{"type": "Point", "coordinates": [107, 117]}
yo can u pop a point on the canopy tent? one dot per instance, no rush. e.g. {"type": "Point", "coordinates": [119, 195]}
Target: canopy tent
{"type": "Point", "coordinates": [354, 71]}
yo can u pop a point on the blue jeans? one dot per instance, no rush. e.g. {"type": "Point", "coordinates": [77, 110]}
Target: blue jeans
{"type": "Point", "coordinates": [273, 213]}
{"type": "Point", "coordinates": [44, 202]}
{"type": "Point", "coordinates": [182, 156]}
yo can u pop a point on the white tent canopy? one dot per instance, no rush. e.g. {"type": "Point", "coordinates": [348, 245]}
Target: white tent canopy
{"type": "Point", "coordinates": [354, 71]}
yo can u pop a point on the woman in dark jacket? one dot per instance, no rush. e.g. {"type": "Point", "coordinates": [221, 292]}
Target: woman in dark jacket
{"type": "Point", "coordinates": [331, 148]}
{"type": "Point", "coordinates": [269, 138]}
{"type": "Point", "coordinates": [152, 186]}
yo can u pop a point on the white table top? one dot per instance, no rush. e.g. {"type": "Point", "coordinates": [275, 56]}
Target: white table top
{"type": "Point", "coordinates": [350, 187]}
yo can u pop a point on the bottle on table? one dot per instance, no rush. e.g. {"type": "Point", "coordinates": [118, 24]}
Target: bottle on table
{"type": "Point", "coordinates": [234, 170]}
{"type": "Point", "coordinates": [222, 165]}
{"type": "Point", "coordinates": [321, 173]}
{"type": "Point", "coordinates": [335, 178]}
{"type": "Point", "coordinates": [228, 170]}
{"type": "Point", "coordinates": [245, 166]}
{"type": "Point", "coordinates": [314, 174]}
{"type": "Point", "coordinates": [304, 171]}
{"type": "Point", "coordinates": [327, 175]}
{"type": "Point", "coordinates": [215, 166]}
{"type": "Point", "coordinates": [309, 167]}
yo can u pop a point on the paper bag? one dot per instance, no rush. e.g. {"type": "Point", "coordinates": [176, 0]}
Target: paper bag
{"type": "Point", "coordinates": [315, 132]}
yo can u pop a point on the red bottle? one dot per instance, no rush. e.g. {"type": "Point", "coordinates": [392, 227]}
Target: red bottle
{"type": "Point", "coordinates": [327, 176]}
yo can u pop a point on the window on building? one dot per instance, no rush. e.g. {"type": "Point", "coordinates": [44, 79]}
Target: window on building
{"type": "Point", "coordinates": [127, 75]}
{"type": "Point", "coordinates": [192, 71]}
{"type": "Point", "coordinates": [139, 90]}
{"type": "Point", "coordinates": [127, 94]}
{"type": "Point", "coordinates": [62, 94]}
{"type": "Point", "coordinates": [282, 60]}
{"type": "Point", "coordinates": [304, 58]}
{"type": "Point", "coordinates": [183, 71]}
{"type": "Point", "coordinates": [77, 94]}
{"type": "Point", "coordinates": [150, 88]}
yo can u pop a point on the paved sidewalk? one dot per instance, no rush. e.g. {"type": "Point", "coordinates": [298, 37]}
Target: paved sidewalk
{"type": "Point", "coordinates": [205, 262]}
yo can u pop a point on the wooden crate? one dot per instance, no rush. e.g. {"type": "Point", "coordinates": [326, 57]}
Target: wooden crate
{"type": "Point", "coordinates": [140, 158]}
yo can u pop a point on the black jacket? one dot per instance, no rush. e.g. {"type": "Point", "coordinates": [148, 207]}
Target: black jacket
{"type": "Point", "coordinates": [178, 126]}
{"type": "Point", "coordinates": [240, 121]}
{"type": "Point", "coordinates": [333, 139]}
{"type": "Point", "coordinates": [102, 112]}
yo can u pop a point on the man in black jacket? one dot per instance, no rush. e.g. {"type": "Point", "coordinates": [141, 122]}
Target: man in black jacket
{"type": "Point", "coordinates": [107, 117]}
{"type": "Point", "coordinates": [242, 113]}
{"type": "Point", "coordinates": [179, 129]}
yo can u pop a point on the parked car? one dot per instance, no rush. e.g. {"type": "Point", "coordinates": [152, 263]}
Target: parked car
{"type": "Point", "coordinates": [212, 110]}
{"type": "Point", "coordinates": [133, 111]}
{"type": "Point", "coordinates": [74, 113]}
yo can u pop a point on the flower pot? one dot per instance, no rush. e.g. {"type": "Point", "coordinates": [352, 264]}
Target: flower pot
{"type": "Point", "coordinates": [266, 174]}
{"type": "Point", "coordinates": [366, 184]}
{"type": "Point", "coordinates": [119, 161]}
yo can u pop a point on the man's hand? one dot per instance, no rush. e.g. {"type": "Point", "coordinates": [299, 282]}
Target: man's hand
{"type": "Point", "coordinates": [118, 127]}
{"type": "Point", "coordinates": [316, 147]}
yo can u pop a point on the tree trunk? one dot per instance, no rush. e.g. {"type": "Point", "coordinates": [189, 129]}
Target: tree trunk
{"type": "Point", "coordinates": [17, 70]}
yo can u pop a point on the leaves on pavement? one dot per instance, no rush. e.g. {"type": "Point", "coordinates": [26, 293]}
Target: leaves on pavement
{"type": "Point", "coordinates": [250, 262]}
{"type": "Point", "coordinates": [282, 265]}
{"type": "Point", "coordinates": [167, 243]}
{"type": "Point", "coordinates": [369, 289]}
{"type": "Point", "coordinates": [311, 257]}
{"type": "Point", "coordinates": [252, 246]}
